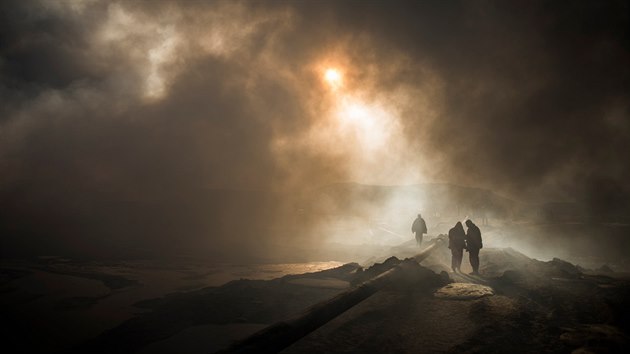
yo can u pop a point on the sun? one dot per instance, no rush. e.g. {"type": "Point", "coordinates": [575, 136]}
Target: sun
{"type": "Point", "coordinates": [333, 77]}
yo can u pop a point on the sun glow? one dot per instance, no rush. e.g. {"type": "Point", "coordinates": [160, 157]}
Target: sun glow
{"type": "Point", "coordinates": [369, 123]}
{"type": "Point", "coordinates": [333, 77]}
{"type": "Point", "coordinates": [365, 122]}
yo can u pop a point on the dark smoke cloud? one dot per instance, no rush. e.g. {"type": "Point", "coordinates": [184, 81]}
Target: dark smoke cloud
{"type": "Point", "coordinates": [534, 94]}
{"type": "Point", "coordinates": [164, 104]}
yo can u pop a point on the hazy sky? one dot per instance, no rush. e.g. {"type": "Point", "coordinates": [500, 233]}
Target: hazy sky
{"type": "Point", "coordinates": [138, 100]}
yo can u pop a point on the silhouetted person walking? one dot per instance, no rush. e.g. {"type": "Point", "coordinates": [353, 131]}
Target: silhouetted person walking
{"type": "Point", "coordinates": [419, 227]}
{"type": "Point", "coordinates": [473, 245]}
{"type": "Point", "coordinates": [457, 243]}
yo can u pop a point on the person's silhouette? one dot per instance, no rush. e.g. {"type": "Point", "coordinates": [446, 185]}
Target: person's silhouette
{"type": "Point", "coordinates": [457, 243]}
{"type": "Point", "coordinates": [419, 227]}
{"type": "Point", "coordinates": [473, 245]}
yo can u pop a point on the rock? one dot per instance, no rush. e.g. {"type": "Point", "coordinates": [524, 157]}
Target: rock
{"type": "Point", "coordinates": [374, 270]}
{"type": "Point", "coordinates": [595, 338]}
{"type": "Point", "coordinates": [565, 268]}
{"type": "Point", "coordinates": [463, 291]}
{"type": "Point", "coordinates": [511, 276]}
{"type": "Point", "coordinates": [414, 275]}
{"type": "Point", "coordinates": [445, 277]}
{"type": "Point", "coordinates": [605, 269]}
{"type": "Point", "coordinates": [330, 283]}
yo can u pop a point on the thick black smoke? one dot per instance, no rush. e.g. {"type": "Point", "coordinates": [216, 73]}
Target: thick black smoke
{"type": "Point", "coordinates": [197, 126]}
{"type": "Point", "coordinates": [535, 95]}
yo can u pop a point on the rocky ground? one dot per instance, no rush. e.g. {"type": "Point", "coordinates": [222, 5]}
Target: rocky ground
{"type": "Point", "coordinates": [517, 304]}
{"type": "Point", "coordinates": [533, 307]}
{"type": "Point", "coordinates": [225, 313]}
{"type": "Point", "coordinates": [50, 304]}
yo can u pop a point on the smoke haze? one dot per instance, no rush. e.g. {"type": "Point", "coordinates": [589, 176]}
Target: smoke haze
{"type": "Point", "coordinates": [208, 128]}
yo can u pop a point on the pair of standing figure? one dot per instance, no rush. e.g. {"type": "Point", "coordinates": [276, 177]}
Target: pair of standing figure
{"type": "Point", "coordinates": [458, 240]}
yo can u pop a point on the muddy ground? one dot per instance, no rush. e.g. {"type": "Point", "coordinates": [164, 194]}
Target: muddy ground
{"type": "Point", "coordinates": [535, 306]}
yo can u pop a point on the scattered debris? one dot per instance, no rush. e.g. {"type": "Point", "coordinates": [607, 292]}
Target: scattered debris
{"type": "Point", "coordinates": [463, 291]}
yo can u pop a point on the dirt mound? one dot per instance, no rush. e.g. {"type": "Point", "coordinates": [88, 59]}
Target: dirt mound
{"type": "Point", "coordinates": [463, 291]}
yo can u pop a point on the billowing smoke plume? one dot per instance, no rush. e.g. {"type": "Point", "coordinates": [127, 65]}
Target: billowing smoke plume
{"type": "Point", "coordinates": [208, 127]}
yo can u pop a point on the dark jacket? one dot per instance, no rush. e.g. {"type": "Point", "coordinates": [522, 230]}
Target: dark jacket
{"type": "Point", "coordinates": [456, 238]}
{"type": "Point", "coordinates": [419, 226]}
{"type": "Point", "coordinates": [473, 238]}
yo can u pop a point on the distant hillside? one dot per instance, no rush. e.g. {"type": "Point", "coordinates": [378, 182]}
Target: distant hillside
{"type": "Point", "coordinates": [208, 222]}
{"type": "Point", "coordinates": [226, 224]}
{"type": "Point", "coordinates": [430, 199]}
{"type": "Point", "coordinates": [436, 199]}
